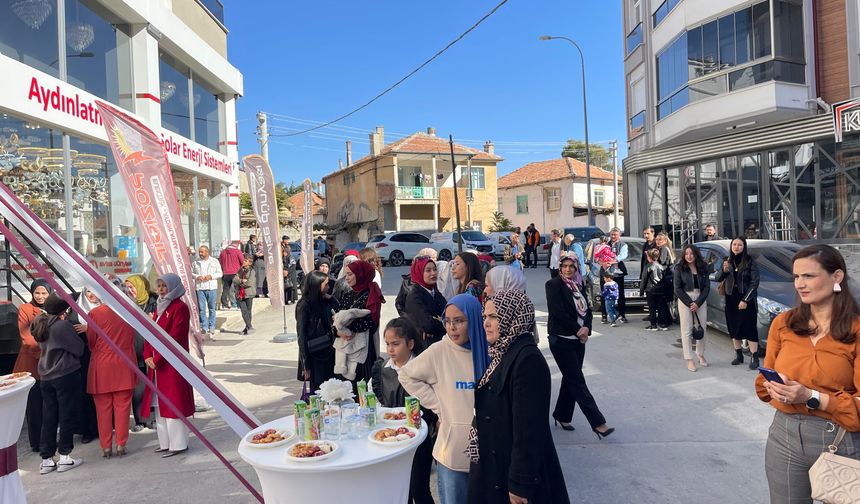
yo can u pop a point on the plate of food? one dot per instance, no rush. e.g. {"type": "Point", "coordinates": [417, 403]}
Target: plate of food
{"type": "Point", "coordinates": [392, 416]}
{"type": "Point", "coordinates": [388, 436]}
{"type": "Point", "coordinates": [312, 451]}
{"type": "Point", "coordinates": [268, 438]}
{"type": "Point", "coordinates": [15, 376]}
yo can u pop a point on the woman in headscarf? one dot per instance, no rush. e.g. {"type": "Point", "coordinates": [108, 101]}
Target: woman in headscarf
{"type": "Point", "coordinates": [363, 293]}
{"type": "Point", "coordinates": [436, 376]}
{"type": "Point", "coordinates": [424, 303]}
{"type": "Point", "coordinates": [569, 326]}
{"type": "Point", "coordinates": [400, 301]}
{"type": "Point", "coordinates": [501, 278]}
{"type": "Point", "coordinates": [28, 356]}
{"type": "Point", "coordinates": [137, 287]}
{"type": "Point", "coordinates": [513, 458]}
{"type": "Point", "coordinates": [324, 267]}
{"type": "Point", "coordinates": [368, 254]}
{"type": "Point", "coordinates": [341, 287]}
{"type": "Point", "coordinates": [109, 379]}
{"type": "Point", "coordinates": [174, 316]}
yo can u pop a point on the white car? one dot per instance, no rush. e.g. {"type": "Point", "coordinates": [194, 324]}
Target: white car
{"type": "Point", "coordinates": [500, 241]}
{"type": "Point", "coordinates": [399, 247]}
{"type": "Point", "coordinates": [472, 240]}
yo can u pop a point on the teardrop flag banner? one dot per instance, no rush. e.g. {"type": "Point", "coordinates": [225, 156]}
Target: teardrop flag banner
{"type": "Point", "coordinates": [261, 185]}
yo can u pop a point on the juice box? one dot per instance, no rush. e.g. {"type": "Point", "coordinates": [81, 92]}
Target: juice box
{"type": "Point", "coordinates": [413, 412]}
{"type": "Point", "coordinates": [362, 389]}
{"type": "Point", "coordinates": [314, 402]}
{"type": "Point", "coordinates": [300, 408]}
{"type": "Point", "coordinates": [370, 400]}
{"type": "Point", "coordinates": [313, 424]}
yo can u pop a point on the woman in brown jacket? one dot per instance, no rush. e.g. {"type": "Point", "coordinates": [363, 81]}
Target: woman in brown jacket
{"type": "Point", "coordinates": [28, 357]}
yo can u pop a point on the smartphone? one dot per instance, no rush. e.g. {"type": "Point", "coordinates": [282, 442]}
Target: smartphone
{"type": "Point", "coordinates": [770, 374]}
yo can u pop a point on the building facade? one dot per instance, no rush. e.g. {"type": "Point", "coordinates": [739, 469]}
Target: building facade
{"type": "Point", "coordinates": [166, 63]}
{"type": "Point", "coordinates": [408, 185]}
{"type": "Point", "coordinates": [553, 194]}
{"type": "Point", "coordinates": [731, 121]}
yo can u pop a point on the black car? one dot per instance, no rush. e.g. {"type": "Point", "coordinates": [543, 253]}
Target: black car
{"type": "Point", "coordinates": [776, 292]}
{"type": "Point", "coordinates": [631, 281]}
{"type": "Point", "coordinates": [337, 260]}
{"type": "Point", "coordinates": [584, 233]}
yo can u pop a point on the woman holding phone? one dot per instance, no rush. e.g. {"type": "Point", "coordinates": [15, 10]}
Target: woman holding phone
{"type": "Point", "coordinates": [739, 276]}
{"type": "Point", "coordinates": [813, 348]}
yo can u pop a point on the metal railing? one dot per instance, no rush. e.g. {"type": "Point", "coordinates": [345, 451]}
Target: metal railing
{"type": "Point", "coordinates": [415, 192]}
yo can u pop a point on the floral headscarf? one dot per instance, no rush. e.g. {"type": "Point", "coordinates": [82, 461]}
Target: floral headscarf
{"type": "Point", "coordinates": [573, 284]}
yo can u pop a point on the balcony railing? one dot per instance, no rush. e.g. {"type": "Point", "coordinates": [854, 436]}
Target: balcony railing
{"type": "Point", "coordinates": [414, 192]}
{"type": "Point", "coordinates": [634, 38]}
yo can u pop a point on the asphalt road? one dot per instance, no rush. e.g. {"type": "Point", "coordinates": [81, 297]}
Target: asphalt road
{"type": "Point", "coordinates": [680, 437]}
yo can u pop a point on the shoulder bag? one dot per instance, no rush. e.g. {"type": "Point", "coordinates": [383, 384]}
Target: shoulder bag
{"type": "Point", "coordinates": [698, 332]}
{"type": "Point", "coordinates": [321, 340]}
{"type": "Point", "coordinates": [835, 478]}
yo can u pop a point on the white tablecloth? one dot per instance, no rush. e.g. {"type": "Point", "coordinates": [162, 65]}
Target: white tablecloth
{"type": "Point", "coordinates": [13, 405]}
{"type": "Point", "coordinates": [361, 473]}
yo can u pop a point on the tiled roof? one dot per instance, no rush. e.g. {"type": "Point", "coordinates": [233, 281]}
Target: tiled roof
{"type": "Point", "coordinates": [297, 203]}
{"type": "Point", "coordinates": [553, 169]}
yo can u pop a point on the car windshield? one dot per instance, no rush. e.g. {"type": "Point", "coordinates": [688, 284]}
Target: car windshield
{"type": "Point", "coordinates": [774, 263]}
{"type": "Point", "coordinates": [474, 236]}
{"type": "Point", "coordinates": [353, 246]}
{"type": "Point", "coordinates": [634, 249]}
{"type": "Point", "coordinates": [377, 238]}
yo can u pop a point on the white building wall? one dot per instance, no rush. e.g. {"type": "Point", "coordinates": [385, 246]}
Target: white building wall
{"type": "Point", "coordinates": [546, 220]}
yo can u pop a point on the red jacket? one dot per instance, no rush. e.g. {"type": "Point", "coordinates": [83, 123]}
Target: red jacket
{"type": "Point", "coordinates": [231, 260]}
{"type": "Point", "coordinates": [28, 356]}
{"type": "Point", "coordinates": [176, 321]}
{"type": "Point", "coordinates": [107, 371]}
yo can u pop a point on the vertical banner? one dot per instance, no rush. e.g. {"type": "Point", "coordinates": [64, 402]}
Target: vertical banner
{"type": "Point", "coordinates": [307, 230]}
{"type": "Point", "coordinates": [145, 173]}
{"type": "Point", "coordinates": [261, 184]}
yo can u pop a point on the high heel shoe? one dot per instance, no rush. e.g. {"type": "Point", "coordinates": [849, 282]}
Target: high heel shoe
{"type": "Point", "coordinates": [564, 425]}
{"type": "Point", "coordinates": [607, 432]}
{"type": "Point", "coordinates": [120, 451]}
{"type": "Point", "coordinates": [107, 453]}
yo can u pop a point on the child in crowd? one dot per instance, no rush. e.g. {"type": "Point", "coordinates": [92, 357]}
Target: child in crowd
{"type": "Point", "coordinates": [244, 286]}
{"type": "Point", "coordinates": [403, 343]}
{"type": "Point", "coordinates": [444, 379]}
{"type": "Point", "coordinates": [610, 297]}
{"type": "Point", "coordinates": [654, 288]}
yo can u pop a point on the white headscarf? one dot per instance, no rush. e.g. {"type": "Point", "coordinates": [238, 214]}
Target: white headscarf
{"type": "Point", "coordinates": [85, 303]}
{"type": "Point", "coordinates": [504, 277]}
{"type": "Point", "coordinates": [175, 290]}
{"type": "Point", "coordinates": [346, 262]}
{"type": "Point", "coordinates": [446, 284]}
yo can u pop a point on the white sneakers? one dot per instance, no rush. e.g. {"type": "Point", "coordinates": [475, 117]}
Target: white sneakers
{"type": "Point", "coordinates": [66, 463]}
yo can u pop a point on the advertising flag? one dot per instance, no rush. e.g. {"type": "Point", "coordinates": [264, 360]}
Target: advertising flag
{"type": "Point", "coordinates": [145, 173]}
{"type": "Point", "coordinates": [261, 184]}
{"type": "Point", "coordinates": [307, 230]}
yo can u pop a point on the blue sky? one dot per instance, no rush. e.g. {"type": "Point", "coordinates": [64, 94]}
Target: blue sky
{"type": "Point", "coordinates": [313, 61]}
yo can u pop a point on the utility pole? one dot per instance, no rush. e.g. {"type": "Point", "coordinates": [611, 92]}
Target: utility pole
{"type": "Point", "coordinates": [614, 146]}
{"type": "Point", "coordinates": [263, 135]}
{"type": "Point", "coordinates": [456, 195]}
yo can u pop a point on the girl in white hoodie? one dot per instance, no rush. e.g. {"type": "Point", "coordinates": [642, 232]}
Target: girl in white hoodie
{"type": "Point", "coordinates": [443, 378]}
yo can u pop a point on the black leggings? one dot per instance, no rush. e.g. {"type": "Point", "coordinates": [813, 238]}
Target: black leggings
{"type": "Point", "coordinates": [61, 402]}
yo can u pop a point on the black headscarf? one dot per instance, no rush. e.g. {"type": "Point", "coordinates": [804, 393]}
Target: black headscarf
{"type": "Point", "coordinates": [40, 282]}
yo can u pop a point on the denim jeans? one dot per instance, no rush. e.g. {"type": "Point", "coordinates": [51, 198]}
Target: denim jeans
{"type": "Point", "coordinates": [206, 299]}
{"type": "Point", "coordinates": [453, 485]}
{"type": "Point", "coordinates": [611, 308]}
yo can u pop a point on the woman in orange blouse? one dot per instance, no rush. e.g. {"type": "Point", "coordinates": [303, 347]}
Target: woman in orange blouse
{"type": "Point", "coordinates": [28, 357]}
{"type": "Point", "coordinates": [814, 348]}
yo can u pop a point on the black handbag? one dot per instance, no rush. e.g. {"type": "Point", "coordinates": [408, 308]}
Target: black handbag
{"type": "Point", "coordinates": [698, 332]}
{"type": "Point", "coordinates": [322, 340]}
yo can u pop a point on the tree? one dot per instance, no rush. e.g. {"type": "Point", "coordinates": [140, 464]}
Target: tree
{"type": "Point", "coordinates": [245, 203]}
{"type": "Point", "coordinates": [501, 223]}
{"type": "Point", "coordinates": [600, 155]}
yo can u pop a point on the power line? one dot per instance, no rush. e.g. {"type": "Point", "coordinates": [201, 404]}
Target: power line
{"type": "Point", "coordinates": [403, 79]}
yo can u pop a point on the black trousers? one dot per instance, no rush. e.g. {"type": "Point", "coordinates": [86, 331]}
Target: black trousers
{"type": "Point", "coordinates": [658, 308]}
{"type": "Point", "coordinates": [419, 481]}
{"type": "Point", "coordinates": [7, 363]}
{"type": "Point", "coordinates": [245, 306]}
{"type": "Point", "coordinates": [227, 295]}
{"type": "Point", "coordinates": [34, 416]}
{"type": "Point", "coordinates": [88, 425]}
{"type": "Point", "coordinates": [137, 399]}
{"type": "Point", "coordinates": [61, 401]}
{"type": "Point", "coordinates": [553, 273]}
{"type": "Point", "coordinates": [569, 355]}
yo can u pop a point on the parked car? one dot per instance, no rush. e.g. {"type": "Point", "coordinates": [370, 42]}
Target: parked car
{"type": "Point", "coordinates": [473, 240]}
{"type": "Point", "coordinates": [399, 247]}
{"type": "Point", "coordinates": [776, 292]}
{"type": "Point", "coordinates": [582, 234]}
{"type": "Point", "coordinates": [631, 280]}
{"type": "Point", "coordinates": [500, 241]}
{"type": "Point", "coordinates": [337, 260]}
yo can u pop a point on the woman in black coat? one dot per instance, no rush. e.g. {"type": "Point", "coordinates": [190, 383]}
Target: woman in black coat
{"type": "Point", "coordinates": [740, 277]}
{"type": "Point", "coordinates": [314, 325]}
{"type": "Point", "coordinates": [424, 303]}
{"type": "Point", "coordinates": [512, 451]}
{"type": "Point", "coordinates": [569, 326]}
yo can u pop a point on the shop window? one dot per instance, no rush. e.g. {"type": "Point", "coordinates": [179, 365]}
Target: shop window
{"type": "Point", "coordinates": [523, 204]}
{"type": "Point", "coordinates": [28, 33]}
{"type": "Point", "coordinates": [709, 206]}
{"type": "Point", "coordinates": [174, 89]}
{"type": "Point", "coordinates": [839, 175]}
{"type": "Point", "coordinates": [553, 199]}
{"type": "Point", "coordinates": [654, 211]}
{"type": "Point", "coordinates": [478, 178]}
{"type": "Point", "coordinates": [206, 125]}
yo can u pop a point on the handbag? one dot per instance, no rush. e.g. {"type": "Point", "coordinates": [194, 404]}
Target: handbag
{"type": "Point", "coordinates": [698, 332]}
{"type": "Point", "coordinates": [835, 478]}
{"type": "Point", "coordinates": [322, 341]}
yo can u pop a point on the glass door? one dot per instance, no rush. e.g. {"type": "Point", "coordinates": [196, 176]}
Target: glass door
{"type": "Point", "coordinates": [709, 185]}
{"type": "Point", "coordinates": [730, 211]}
{"type": "Point", "coordinates": [779, 216]}
{"type": "Point", "coordinates": [750, 168]}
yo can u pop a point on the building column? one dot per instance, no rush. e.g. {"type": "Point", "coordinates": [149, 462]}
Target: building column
{"type": "Point", "coordinates": [146, 84]}
{"type": "Point", "coordinates": [396, 214]}
{"type": "Point", "coordinates": [435, 186]}
{"type": "Point", "coordinates": [229, 146]}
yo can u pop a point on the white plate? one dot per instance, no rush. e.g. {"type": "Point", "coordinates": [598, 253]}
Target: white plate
{"type": "Point", "coordinates": [335, 450]}
{"type": "Point", "coordinates": [383, 411]}
{"type": "Point", "coordinates": [288, 435]}
{"type": "Point", "coordinates": [9, 376]}
{"type": "Point", "coordinates": [372, 439]}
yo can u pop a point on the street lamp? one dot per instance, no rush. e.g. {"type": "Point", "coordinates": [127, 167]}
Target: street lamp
{"type": "Point", "coordinates": [585, 115]}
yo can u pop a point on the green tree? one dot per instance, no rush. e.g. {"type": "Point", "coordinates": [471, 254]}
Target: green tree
{"type": "Point", "coordinates": [501, 223]}
{"type": "Point", "coordinates": [245, 203]}
{"type": "Point", "coordinates": [600, 155]}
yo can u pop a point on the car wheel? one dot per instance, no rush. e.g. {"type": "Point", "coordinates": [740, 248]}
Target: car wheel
{"type": "Point", "coordinates": [445, 255]}
{"type": "Point", "coordinates": [395, 258]}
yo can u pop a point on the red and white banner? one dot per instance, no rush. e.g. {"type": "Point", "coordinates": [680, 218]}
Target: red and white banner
{"type": "Point", "coordinates": [148, 182]}
{"type": "Point", "coordinates": [261, 185]}
{"type": "Point", "coordinates": [307, 230]}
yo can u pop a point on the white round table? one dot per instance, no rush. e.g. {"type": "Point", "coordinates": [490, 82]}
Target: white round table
{"type": "Point", "coordinates": [361, 473]}
{"type": "Point", "coordinates": [13, 405]}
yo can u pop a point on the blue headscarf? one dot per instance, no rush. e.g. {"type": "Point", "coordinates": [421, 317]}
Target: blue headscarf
{"type": "Point", "coordinates": [477, 343]}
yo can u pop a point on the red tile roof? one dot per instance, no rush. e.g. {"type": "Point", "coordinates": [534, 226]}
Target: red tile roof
{"type": "Point", "coordinates": [553, 169]}
{"type": "Point", "coordinates": [297, 204]}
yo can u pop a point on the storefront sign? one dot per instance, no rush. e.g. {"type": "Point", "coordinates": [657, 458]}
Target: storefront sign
{"type": "Point", "coordinates": [846, 118]}
{"type": "Point", "coordinates": [43, 98]}
{"type": "Point", "coordinates": [149, 185]}
{"type": "Point", "coordinates": [261, 185]}
{"type": "Point", "coordinates": [112, 266]}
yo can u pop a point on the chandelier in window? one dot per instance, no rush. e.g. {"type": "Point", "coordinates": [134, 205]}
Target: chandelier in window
{"type": "Point", "coordinates": [32, 12]}
{"type": "Point", "coordinates": [167, 90]}
{"type": "Point", "coordinates": [79, 35]}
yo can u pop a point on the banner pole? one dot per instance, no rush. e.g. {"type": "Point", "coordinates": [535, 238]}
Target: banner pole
{"type": "Point", "coordinates": [284, 337]}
